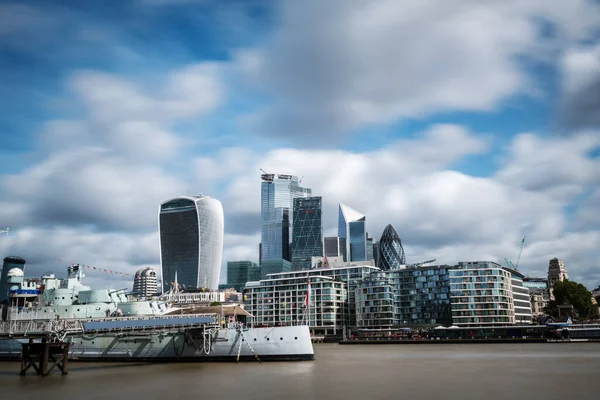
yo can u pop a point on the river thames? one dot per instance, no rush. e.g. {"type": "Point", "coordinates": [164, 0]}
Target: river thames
{"type": "Point", "coordinates": [429, 371]}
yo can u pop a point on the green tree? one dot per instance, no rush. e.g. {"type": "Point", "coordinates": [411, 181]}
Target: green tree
{"type": "Point", "coordinates": [215, 303]}
{"type": "Point", "coordinates": [575, 294]}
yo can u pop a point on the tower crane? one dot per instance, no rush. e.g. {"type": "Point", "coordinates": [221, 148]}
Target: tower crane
{"type": "Point", "coordinates": [520, 251]}
{"type": "Point", "coordinates": [515, 266]}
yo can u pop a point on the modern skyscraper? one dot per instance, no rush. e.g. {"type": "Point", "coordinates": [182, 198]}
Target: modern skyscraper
{"type": "Point", "coordinates": [276, 221]}
{"type": "Point", "coordinates": [307, 232]}
{"type": "Point", "coordinates": [391, 252]}
{"type": "Point", "coordinates": [240, 272]}
{"type": "Point", "coordinates": [274, 267]}
{"type": "Point", "coordinates": [145, 283]}
{"type": "Point", "coordinates": [369, 247]}
{"type": "Point", "coordinates": [335, 247]}
{"type": "Point", "coordinates": [191, 232]}
{"type": "Point", "coordinates": [9, 263]}
{"type": "Point", "coordinates": [351, 226]}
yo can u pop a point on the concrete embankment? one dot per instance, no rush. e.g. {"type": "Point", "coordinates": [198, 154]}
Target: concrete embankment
{"type": "Point", "coordinates": [445, 341]}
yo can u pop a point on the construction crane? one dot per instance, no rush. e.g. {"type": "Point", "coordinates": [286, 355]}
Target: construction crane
{"type": "Point", "coordinates": [422, 263]}
{"type": "Point", "coordinates": [509, 264]}
{"type": "Point", "coordinates": [520, 251]}
{"type": "Point", "coordinates": [5, 232]}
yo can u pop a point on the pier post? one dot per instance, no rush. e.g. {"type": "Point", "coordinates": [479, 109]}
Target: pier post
{"type": "Point", "coordinates": [39, 355]}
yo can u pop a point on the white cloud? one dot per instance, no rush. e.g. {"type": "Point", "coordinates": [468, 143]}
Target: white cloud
{"type": "Point", "coordinates": [376, 62]}
{"type": "Point", "coordinates": [443, 213]}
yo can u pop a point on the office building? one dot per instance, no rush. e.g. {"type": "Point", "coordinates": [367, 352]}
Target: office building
{"type": "Point", "coordinates": [145, 283]}
{"type": "Point", "coordinates": [391, 252]}
{"type": "Point", "coordinates": [274, 267]}
{"type": "Point", "coordinates": [335, 247]}
{"type": "Point", "coordinates": [240, 272]}
{"type": "Point", "coordinates": [376, 253]}
{"type": "Point", "coordinates": [307, 232]}
{"type": "Point", "coordinates": [276, 220]}
{"type": "Point", "coordinates": [191, 232]}
{"type": "Point", "coordinates": [351, 226]}
{"type": "Point", "coordinates": [9, 264]}
{"type": "Point", "coordinates": [369, 248]}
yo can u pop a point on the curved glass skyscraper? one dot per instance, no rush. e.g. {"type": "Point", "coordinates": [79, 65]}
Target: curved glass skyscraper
{"type": "Point", "coordinates": [191, 232]}
{"type": "Point", "coordinates": [391, 252]}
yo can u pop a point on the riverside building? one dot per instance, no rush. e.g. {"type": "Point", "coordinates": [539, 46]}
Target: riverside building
{"type": "Point", "coordinates": [484, 293]}
{"type": "Point", "coordinates": [329, 310]}
{"type": "Point", "coordinates": [412, 296]}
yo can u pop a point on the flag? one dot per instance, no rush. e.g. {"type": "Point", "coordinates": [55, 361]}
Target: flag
{"type": "Point", "coordinates": [307, 301]}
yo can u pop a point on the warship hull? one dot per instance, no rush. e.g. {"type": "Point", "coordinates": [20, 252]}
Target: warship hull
{"type": "Point", "coordinates": [290, 343]}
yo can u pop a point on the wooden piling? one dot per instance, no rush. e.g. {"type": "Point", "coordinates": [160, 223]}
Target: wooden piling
{"type": "Point", "coordinates": [44, 357]}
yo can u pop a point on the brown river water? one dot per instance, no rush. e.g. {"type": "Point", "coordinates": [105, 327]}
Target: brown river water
{"type": "Point", "coordinates": [429, 371]}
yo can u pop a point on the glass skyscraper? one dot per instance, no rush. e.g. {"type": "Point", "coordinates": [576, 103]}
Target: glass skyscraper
{"type": "Point", "coordinates": [391, 253]}
{"type": "Point", "coordinates": [276, 220]}
{"type": "Point", "coordinates": [240, 272]}
{"type": "Point", "coordinates": [191, 232]}
{"type": "Point", "coordinates": [335, 247]}
{"type": "Point", "coordinates": [351, 226]}
{"type": "Point", "coordinates": [307, 232]}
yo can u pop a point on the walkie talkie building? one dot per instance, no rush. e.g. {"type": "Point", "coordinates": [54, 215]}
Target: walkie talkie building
{"type": "Point", "coordinates": [191, 230]}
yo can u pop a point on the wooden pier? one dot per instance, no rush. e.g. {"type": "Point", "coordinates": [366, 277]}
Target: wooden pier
{"type": "Point", "coordinates": [44, 357]}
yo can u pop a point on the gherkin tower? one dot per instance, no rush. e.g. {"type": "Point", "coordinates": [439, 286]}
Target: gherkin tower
{"type": "Point", "coordinates": [391, 252]}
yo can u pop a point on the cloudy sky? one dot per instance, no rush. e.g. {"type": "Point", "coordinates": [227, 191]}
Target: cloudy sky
{"type": "Point", "coordinates": [466, 124]}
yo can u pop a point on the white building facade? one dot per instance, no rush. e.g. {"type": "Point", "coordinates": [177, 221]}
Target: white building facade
{"type": "Point", "coordinates": [484, 293]}
{"type": "Point", "coordinates": [145, 283]}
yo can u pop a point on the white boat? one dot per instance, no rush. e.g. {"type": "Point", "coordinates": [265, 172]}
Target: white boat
{"type": "Point", "coordinates": [106, 326]}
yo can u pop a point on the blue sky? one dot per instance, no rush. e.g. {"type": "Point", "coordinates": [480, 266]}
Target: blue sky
{"type": "Point", "coordinates": [465, 124]}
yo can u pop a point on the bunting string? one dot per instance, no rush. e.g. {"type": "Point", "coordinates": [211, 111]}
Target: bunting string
{"type": "Point", "coordinates": [103, 270]}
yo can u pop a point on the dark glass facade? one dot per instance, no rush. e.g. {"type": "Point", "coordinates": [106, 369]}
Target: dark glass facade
{"type": "Point", "coordinates": [358, 241]}
{"type": "Point", "coordinates": [274, 267]}
{"type": "Point", "coordinates": [307, 238]}
{"type": "Point", "coordinates": [391, 253]}
{"type": "Point", "coordinates": [240, 272]}
{"type": "Point", "coordinates": [423, 295]}
{"type": "Point", "coordinates": [179, 243]}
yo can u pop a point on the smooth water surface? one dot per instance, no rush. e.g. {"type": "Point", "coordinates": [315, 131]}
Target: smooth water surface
{"type": "Point", "coordinates": [428, 371]}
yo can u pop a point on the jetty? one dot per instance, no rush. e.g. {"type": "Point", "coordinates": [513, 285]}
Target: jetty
{"type": "Point", "coordinates": [47, 346]}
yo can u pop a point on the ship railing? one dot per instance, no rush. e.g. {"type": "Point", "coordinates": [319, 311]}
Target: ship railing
{"type": "Point", "coordinates": [63, 327]}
